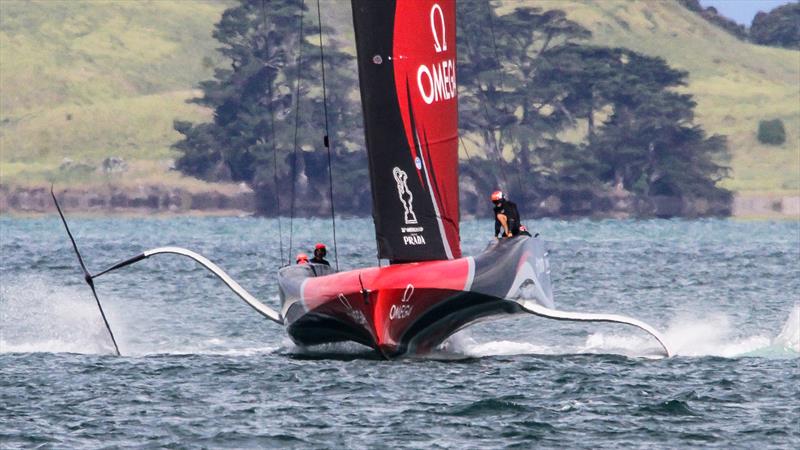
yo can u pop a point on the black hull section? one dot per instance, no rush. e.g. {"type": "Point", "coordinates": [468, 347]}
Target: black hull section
{"type": "Point", "coordinates": [315, 329]}
{"type": "Point", "coordinates": [450, 316]}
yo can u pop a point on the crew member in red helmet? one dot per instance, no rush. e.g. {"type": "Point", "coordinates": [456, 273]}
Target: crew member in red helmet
{"type": "Point", "coordinates": [319, 254]}
{"type": "Point", "coordinates": [301, 258]}
{"type": "Point", "coordinates": [506, 216]}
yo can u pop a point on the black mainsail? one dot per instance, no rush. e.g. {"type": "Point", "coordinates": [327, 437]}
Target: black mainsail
{"type": "Point", "coordinates": [408, 92]}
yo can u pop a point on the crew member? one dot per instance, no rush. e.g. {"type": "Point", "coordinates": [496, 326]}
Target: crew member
{"type": "Point", "coordinates": [301, 258]}
{"type": "Point", "coordinates": [319, 254]}
{"type": "Point", "coordinates": [506, 216]}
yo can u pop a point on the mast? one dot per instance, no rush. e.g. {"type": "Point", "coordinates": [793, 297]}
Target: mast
{"type": "Point", "coordinates": [407, 74]}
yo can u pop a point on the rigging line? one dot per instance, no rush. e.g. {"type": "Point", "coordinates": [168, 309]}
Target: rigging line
{"type": "Point", "coordinates": [326, 139]}
{"type": "Point", "coordinates": [299, 60]}
{"type": "Point", "coordinates": [464, 146]}
{"type": "Point", "coordinates": [489, 13]}
{"type": "Point", "coordinates": [500, 159]}
{"type": "Point", "coordinates": [272, 128]}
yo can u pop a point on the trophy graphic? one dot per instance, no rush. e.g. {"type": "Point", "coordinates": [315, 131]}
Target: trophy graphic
{"type": "Point", "coordinates": [405, 195]}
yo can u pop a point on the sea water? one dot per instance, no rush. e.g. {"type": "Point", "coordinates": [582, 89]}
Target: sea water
{"type": "Point", "coordinates": [200, 368]}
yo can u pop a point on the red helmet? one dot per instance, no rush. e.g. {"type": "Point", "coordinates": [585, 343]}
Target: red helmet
{"type": "Point", "coordinates": [301, 258]}
{"type": "Point", "coordinates": [498, 196]}
{"type": "Point", "coordinates": [320, 246]}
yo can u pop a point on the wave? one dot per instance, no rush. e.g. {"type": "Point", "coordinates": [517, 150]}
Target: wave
{"type": "Point", "coordinates": [41, 315]}
{"type": "Point", "coordinates": [37, 315]}
{"type": "Point", "coordinates": [463, 343]}
{"type": "Point", "coordinates": [688, 335]}
{"type": "Point", "coordinates": [789, 337]}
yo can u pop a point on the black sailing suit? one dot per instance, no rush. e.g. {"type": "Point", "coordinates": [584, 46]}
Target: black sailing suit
{"type": "Point", "coordinates": [319, 260]}
{"type": "Point", "coordinates": [508, 208]}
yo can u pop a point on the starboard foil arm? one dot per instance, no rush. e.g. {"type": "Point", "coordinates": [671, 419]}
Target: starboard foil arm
{"type": "Point", "coordinates": [532, 307]}
{"type": "Point", "coordinates": [237, 289]}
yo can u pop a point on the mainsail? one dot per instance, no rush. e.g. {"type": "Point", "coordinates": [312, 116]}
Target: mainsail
{"type": "Point", "coordinates": [407, 72]}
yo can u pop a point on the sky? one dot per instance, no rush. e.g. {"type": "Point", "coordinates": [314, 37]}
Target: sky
{"type": "Point", "coordinates": [743, 11]}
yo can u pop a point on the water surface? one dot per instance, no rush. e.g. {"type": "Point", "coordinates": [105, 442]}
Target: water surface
{"type": "Point", "coordinates": [201, 369]}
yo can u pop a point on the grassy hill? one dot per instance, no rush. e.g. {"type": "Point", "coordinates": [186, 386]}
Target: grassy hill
{"type": "Point", "coordinates": [735, 84]}
{"type": "Point", "coordinates": [89, 80]}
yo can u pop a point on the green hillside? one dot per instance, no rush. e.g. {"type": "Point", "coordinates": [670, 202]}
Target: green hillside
{"type": "Point", "coordinates": [89, 80]}
{"type": "Point", "coordinates": [735, 84]}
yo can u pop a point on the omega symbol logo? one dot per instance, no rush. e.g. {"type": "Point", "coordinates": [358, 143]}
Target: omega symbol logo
{"type": "Point", "coordinates": [407, 293]}
{"type": "Point", "coordinates": [439, 47]}
{"type": "Point", "coordinates": [401, 177]}
{"type": "Point", "coordinates": [402, 310]}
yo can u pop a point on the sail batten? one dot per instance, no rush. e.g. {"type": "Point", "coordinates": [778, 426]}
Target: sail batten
{"type": "Point", "coordinates": [406, 61]}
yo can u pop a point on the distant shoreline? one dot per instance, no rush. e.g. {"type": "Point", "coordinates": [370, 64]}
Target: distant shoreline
{"type": "Point", "coordinates": [128, 201]}
{"type": "Point", "coordinates": [162, 201]}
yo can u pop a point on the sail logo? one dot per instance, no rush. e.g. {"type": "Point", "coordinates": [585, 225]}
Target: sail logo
{"type": "Point", "coordinates": [401, 177]}
{"type": "Point", "coordinates": [437, 82]}
{"type": "Point", "coordinates": [414, 239]}
{"type": "Point", "coordinates": [402, 310]}
{"type": "Point", "coordinates": [411, 235]}
{"type": "Point", "coordinates": [439, 47]}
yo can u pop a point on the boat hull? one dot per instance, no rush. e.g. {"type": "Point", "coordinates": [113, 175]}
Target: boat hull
{"type": "Point", "coordinates": [412, 308]}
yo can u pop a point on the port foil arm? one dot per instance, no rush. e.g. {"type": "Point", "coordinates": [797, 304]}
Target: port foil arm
{"type": "Point", "coordinates": [237, 289]}
{"type": "Point", "coordinates": [533, 307]}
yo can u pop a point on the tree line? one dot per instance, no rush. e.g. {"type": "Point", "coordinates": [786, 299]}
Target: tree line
{"type": "Point", "coordinates": [565, 127]}
{"type": "Point", "coordinates": [779, 27]}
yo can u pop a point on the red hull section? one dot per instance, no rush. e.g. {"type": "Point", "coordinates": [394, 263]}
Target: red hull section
{"type": "Point", "coordinates": [409, 308]}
